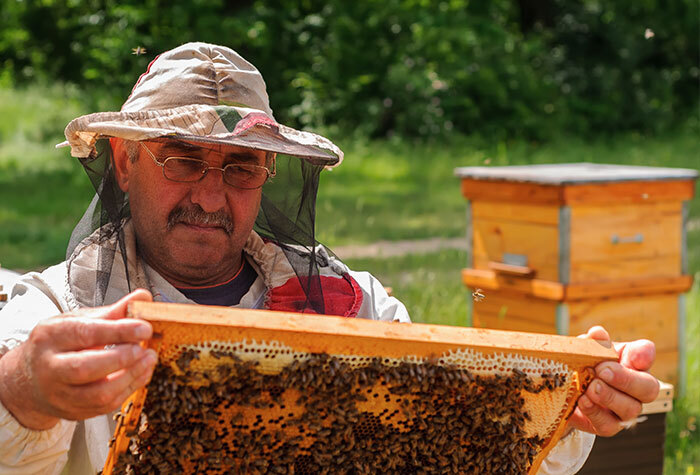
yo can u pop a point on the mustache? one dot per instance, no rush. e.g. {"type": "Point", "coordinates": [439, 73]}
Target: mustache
{"type": "Point", "coordinates": [197, 216]}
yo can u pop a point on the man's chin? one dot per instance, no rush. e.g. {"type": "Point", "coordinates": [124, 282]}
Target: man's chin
{"type": "Point", "coordinates": [197, 271]}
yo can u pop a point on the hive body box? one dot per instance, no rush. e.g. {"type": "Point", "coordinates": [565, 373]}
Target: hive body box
{"type": "Point", "coordinates": [559, 248]}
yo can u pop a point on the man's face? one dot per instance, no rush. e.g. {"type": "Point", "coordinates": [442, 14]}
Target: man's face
{"type": "Point", "coordinates": [191, 233]}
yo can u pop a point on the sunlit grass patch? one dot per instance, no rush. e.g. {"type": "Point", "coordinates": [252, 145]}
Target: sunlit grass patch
{"type": "Point", "coordinates": [429, 285]}
{"type": "Point", "coordinates": [682, 431]}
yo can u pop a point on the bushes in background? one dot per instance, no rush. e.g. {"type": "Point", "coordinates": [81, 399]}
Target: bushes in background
{"type": "Point", "coordinates": [528, 68]}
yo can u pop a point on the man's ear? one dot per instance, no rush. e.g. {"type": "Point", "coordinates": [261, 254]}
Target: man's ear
{"type": "Point", "coordinates": [122, 163]}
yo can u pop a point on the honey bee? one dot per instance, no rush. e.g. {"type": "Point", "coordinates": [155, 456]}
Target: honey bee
{"type": "Point", "coordinates": [138, 51]}
{"type": "Point", "coordinates": [478, 296]}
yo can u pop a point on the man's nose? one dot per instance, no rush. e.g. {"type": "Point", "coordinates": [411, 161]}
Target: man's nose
{"type": "Point", "coordinates": [210, 191]}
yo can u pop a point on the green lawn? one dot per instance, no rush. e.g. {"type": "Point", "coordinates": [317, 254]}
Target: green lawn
{"type": "Point", "coordinates": [397, 190]}
{"type": "Point", "coordinates": [385, 190]}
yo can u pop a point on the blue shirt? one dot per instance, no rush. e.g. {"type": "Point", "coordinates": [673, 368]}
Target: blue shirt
{"type": "Point", "coordinates": [226, 294]}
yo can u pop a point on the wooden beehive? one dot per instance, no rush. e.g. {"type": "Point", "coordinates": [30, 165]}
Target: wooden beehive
{"type": "Point", "coordinates": [559, 248]}
{"type": "Point", "coordinates": [272, 392]}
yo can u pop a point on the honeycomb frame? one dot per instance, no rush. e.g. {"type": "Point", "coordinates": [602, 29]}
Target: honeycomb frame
{"type": "Point", "coordinates": [195, 342]}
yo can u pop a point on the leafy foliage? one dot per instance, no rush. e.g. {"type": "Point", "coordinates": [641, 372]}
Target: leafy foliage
{"type": "Point", "coordinates": [530, 68]}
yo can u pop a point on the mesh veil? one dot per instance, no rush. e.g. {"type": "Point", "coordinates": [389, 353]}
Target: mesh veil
{"type": "Point", "coordinates": [286, 216]}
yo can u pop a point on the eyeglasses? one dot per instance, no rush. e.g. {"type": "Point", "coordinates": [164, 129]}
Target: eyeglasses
{"type": "Point", "coordinates": [244, 176]}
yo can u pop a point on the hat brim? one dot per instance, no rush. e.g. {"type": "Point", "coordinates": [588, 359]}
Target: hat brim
{"type": "Point", "coordinates": [226, 125]}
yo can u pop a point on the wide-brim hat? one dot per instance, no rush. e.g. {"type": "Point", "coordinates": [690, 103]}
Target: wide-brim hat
{"type": "Point", "coordinates": [201, 93]}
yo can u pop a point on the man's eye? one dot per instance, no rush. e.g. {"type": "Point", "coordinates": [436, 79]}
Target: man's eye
{"type": "Point", "coordinates": [184, 166]}
{"type": "Point", "coordinates": [243, 170]}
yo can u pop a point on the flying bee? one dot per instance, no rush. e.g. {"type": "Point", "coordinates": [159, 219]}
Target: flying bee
{"type": "Point", "coordinates": [478, 296]}
{"type": "Point", "coordinates": [138, 51]}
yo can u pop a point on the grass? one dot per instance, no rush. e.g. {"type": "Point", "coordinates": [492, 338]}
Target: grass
{"type": "Point", "coordinates": [429, 285]}
{"type": "Point", "coordinates": [682, 436]}
{"type": "Point", "coordinates": [385, 190]}
{"type": "Point", "coordinates": [397, 190]}
{"type": "Point", "coordinates": [43, 192]}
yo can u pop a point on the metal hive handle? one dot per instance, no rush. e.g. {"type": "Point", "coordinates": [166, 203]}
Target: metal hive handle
{"type": "Point", "coordinates": [637, 238]}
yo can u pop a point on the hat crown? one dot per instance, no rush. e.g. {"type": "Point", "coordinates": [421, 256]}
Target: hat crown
{"type": "Point", "coordinates": [199, 74]}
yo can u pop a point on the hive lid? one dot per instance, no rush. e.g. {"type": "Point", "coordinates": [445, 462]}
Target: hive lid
{"type": "Point", "coordinates": [575, 173]}
{"type": "Point", "coordinates": [274, 392]}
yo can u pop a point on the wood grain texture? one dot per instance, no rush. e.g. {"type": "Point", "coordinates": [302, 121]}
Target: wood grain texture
{"type": "Point", "coordinates": [629, 192]}
{"type": "Point", "coordinates": [491, 280]}
{"type": "Point", "coordinates": [626, 287]}
{"type": "Point", "coordinates": [588, 193]}
{"type": "Point", "coordinates": [496, 321]}
{"type": "Point", "coordinates": [507, 307]}
{"type": "Point", "coordinates": [648, 241]}
{"type": "Point", "coordinates": [540, 243]}
{"type": "Point", "coordinates": [506, 211]}
{"type": "Point", "coordinates": [653, 317]}
{"type": "Point", "coordinates": [501, 190]}
{"type": "Point", "coordinates": [337, 335]}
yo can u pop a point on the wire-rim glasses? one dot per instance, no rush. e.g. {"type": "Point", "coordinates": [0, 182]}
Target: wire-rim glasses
{"type": "Point", "coordinates": [243, 176]}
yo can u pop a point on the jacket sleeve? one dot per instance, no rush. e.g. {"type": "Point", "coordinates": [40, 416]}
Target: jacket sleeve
{"type": "Point", "coordinates": [569, 455]}
{"type": "Point", "coordinates": [25, 451]}
{"type": "Point", "coordinates": [376, 303]}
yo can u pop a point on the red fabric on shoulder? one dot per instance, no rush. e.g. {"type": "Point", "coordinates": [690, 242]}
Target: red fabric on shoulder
{"type": "Point", "coordinates": [342, 296]}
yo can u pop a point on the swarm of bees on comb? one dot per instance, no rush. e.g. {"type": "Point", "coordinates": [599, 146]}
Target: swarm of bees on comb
{"type": "Point", "coordinates": [446, 419]}
{"type": "Point", "coordinates": [260, 407]}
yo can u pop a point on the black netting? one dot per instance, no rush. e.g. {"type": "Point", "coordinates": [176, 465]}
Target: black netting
{"type": "Point", "coordinates": [286, 216]}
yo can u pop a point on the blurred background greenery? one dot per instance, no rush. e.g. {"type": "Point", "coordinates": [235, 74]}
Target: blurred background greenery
{"type": "Point", "coordinates": [531, 68]}
{"type": "Point", "coordinates": [410, 89]}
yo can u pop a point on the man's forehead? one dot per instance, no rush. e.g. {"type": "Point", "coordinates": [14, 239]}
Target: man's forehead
{"type": "Point", "coordinates": [172, 146]}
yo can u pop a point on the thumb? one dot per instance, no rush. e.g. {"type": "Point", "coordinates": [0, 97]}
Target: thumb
{"type": "Point", "coordinates": [638, 355]}
{"type": "Point", "coordinates": [118, 309]}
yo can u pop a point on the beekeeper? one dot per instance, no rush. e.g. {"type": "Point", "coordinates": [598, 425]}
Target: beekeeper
{"type": "Point", "coordinates": [201, 197]}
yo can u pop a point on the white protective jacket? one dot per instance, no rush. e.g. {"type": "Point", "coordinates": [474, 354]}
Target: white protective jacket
{"type": "Point", "coordinates": [80, 448]}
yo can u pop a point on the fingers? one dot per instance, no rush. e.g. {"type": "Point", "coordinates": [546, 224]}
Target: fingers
{"type": "Point", "coordinates": [621, 405]}
{"type": "Point", "coordinates": [639, 354]}
{"type": "Point", "coordinates": [619, 389]}
{"type": "Point", "coordinates": [637, 384]}
{"type": "Point", "coordinates": [109, 393]}
{"type": "Point", "coordinates": [596, 333]}
{"type": "Point", "coordinates": [578, 420]}
{"type": "Point", "coordinates": [118, 309]}
{"type": "Point", "coordinates": [596, 419]}
{"type": "Point", "coordinates": [87, 366]}
{"type": "Point", "coordinates": [76, 333]}
{"type": "Point", "coordinates": [615, 395]}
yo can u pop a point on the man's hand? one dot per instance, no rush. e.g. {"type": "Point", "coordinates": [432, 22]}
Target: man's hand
{"type": "Point", "coordinates": [77, 366]}
{"type": "Point", "coordinates": [618, 390]}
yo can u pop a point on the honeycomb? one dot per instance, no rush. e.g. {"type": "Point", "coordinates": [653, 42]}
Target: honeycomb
{"type": "Point", "coordinates": [243, 391]}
